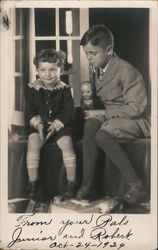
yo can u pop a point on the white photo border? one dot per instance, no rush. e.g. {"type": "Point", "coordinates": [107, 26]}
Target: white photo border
{"type": "Point", "coordinates": [143, 225]}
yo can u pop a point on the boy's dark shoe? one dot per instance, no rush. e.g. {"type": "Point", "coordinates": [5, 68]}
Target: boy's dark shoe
{"type": "Point", "coordinates": [71, 189]}
{"type": "Point", "coordinates": [135, 192]}
{"type": "Point", "coordinates": [86, 192]}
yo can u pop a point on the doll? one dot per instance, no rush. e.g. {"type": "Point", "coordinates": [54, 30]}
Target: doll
{"type": "Point", "coordinates": [87, 95]}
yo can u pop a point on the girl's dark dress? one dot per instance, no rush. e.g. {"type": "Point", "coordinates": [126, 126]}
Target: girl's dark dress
{"type": "Point", "coordinates": [50, 105]}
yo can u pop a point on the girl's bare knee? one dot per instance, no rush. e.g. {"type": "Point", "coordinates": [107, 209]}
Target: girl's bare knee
{"type": "Point", "coordinates": [34, 142]}
{"type": "Point", "coordinates": [65, 144]}
{"type": "Point", "coordinates": [34, 137]}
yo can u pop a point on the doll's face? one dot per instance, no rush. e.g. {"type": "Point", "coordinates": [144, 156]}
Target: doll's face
{"type": "Point", "coordinates": [86, 91]}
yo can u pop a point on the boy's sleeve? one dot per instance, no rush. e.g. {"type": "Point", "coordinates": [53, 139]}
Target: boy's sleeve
{"type": "Point", "coordinates": [134, 95]}
{"type": "Point", "coordinates": [67, 112]}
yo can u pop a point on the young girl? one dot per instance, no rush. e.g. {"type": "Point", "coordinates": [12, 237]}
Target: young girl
{"type": "Point", "coordinates": [49, 112]}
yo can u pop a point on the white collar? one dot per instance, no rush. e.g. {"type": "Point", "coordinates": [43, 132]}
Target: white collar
{"type": "Point", "coordinates": [38, 84]}
{"type": "Point", "coordinates": [102, 69]}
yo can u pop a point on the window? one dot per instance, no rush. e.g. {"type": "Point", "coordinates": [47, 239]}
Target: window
{"type": "Point", "coordinates": [31, 30]}
{"type": "Point", "coordinates": [48, 30]}
{"type": "Point", "coordinates": [18, 79]}
{"type": "Point", "coordinates": [19, 60]}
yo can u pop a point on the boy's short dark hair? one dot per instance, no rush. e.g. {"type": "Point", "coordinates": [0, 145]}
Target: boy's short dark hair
{"type": "Point", "coordinates": [51, 56]}
{"type": "Point", "coordinates": [98, 34]}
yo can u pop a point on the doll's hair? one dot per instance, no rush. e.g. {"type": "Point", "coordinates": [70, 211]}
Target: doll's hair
{"type": "Point", "coordinates": [50, 56]}
{"type": "Point", "coordinates": [98, 34]}
{"type": "Point", "coordinates": [89, 83]}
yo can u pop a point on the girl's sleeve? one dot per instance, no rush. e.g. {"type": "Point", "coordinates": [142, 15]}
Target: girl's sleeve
{"type": "Point", "coordinates": [67, 112]}
{"type": "Point", "coordinates": [30, 109]}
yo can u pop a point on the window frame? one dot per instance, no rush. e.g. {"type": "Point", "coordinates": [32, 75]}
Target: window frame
{"type": "Point", "coordinates": [84, 24]}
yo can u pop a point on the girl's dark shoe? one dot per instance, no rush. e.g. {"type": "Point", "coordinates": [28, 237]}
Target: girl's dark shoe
{"type": "Point", "coordinates": [135, 192]}
{"type": "Point", "coordinates": [71, 190]}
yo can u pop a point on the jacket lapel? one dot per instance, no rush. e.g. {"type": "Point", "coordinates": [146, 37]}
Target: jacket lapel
{"type": "Point", "coordinates": [108, 74]}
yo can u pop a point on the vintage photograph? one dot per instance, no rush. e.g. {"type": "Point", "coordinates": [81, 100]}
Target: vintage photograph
{"type": "Point", "coordinates": [79, 132]}
{"type": "Point", "coordinates": [78, 124]}
{"type": "Point", "coordinates": [79, 119]}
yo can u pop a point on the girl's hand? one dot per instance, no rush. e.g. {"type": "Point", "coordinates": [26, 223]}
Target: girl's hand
{"type": "Point", "coordinates": [94, 113]}
{"type": "Point", "coordinates": [40, 128]}
{"type": "Point", "coordinates": [51, 130]}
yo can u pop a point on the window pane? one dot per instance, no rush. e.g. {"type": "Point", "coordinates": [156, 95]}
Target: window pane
{"type": "Point", "coordinates": [63, 46]}
{"type": "Point", "coordinates": [18, 22]}
{"type": "Point", "coordinates": [45, 45]}
{"type": "Point", "coordinates": [17, 55]}
{"type": "Point", "coordinates": [75, 66]}
{"type": "Point", "coordinates": [19, 94]}
{"type": "Point", "coordinates": [75, 22]}
{"type": "Point", "coordinates": [45, 22]}
{"type": "Point", "coordinates": [73, 69]}
{"type": "Point", "coordinates": [19, 46]}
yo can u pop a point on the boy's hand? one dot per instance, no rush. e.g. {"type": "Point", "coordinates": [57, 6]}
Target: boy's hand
{"type": "Point", "coordinates": [40, 128]}
{"type": "Point", "coordinates": [94, 113]}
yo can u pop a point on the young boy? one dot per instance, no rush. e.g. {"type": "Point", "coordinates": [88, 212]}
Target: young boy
{"type": "Point", "coordinates": [120, 87]}
{"type": "Point", "coordinates": [50, 112]}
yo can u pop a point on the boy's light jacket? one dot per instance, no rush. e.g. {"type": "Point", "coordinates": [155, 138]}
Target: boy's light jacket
{"type": "Point", "coordinates": [123, 93]}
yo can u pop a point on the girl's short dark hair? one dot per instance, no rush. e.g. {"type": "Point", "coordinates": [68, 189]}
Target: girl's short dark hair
{"type": "Point", "coordinates": [98, 34]}
{"type": "Point", "coordinates": [51, 56]}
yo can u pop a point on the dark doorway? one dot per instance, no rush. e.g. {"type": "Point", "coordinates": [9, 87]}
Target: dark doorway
{"type": "Point", "coordinates": [130, 27]}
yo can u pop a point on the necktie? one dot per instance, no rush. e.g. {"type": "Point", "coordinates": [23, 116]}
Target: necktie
{"type": "Point", "coordinates": [100, 74]}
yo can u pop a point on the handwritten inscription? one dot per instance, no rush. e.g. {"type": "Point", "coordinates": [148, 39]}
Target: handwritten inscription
{"type": "Point", "coordinates": [24, 220]}
{"type": "Point", "coordinates": [101, 231]}
{"type": "Point", "coordinates": [70, 223]}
